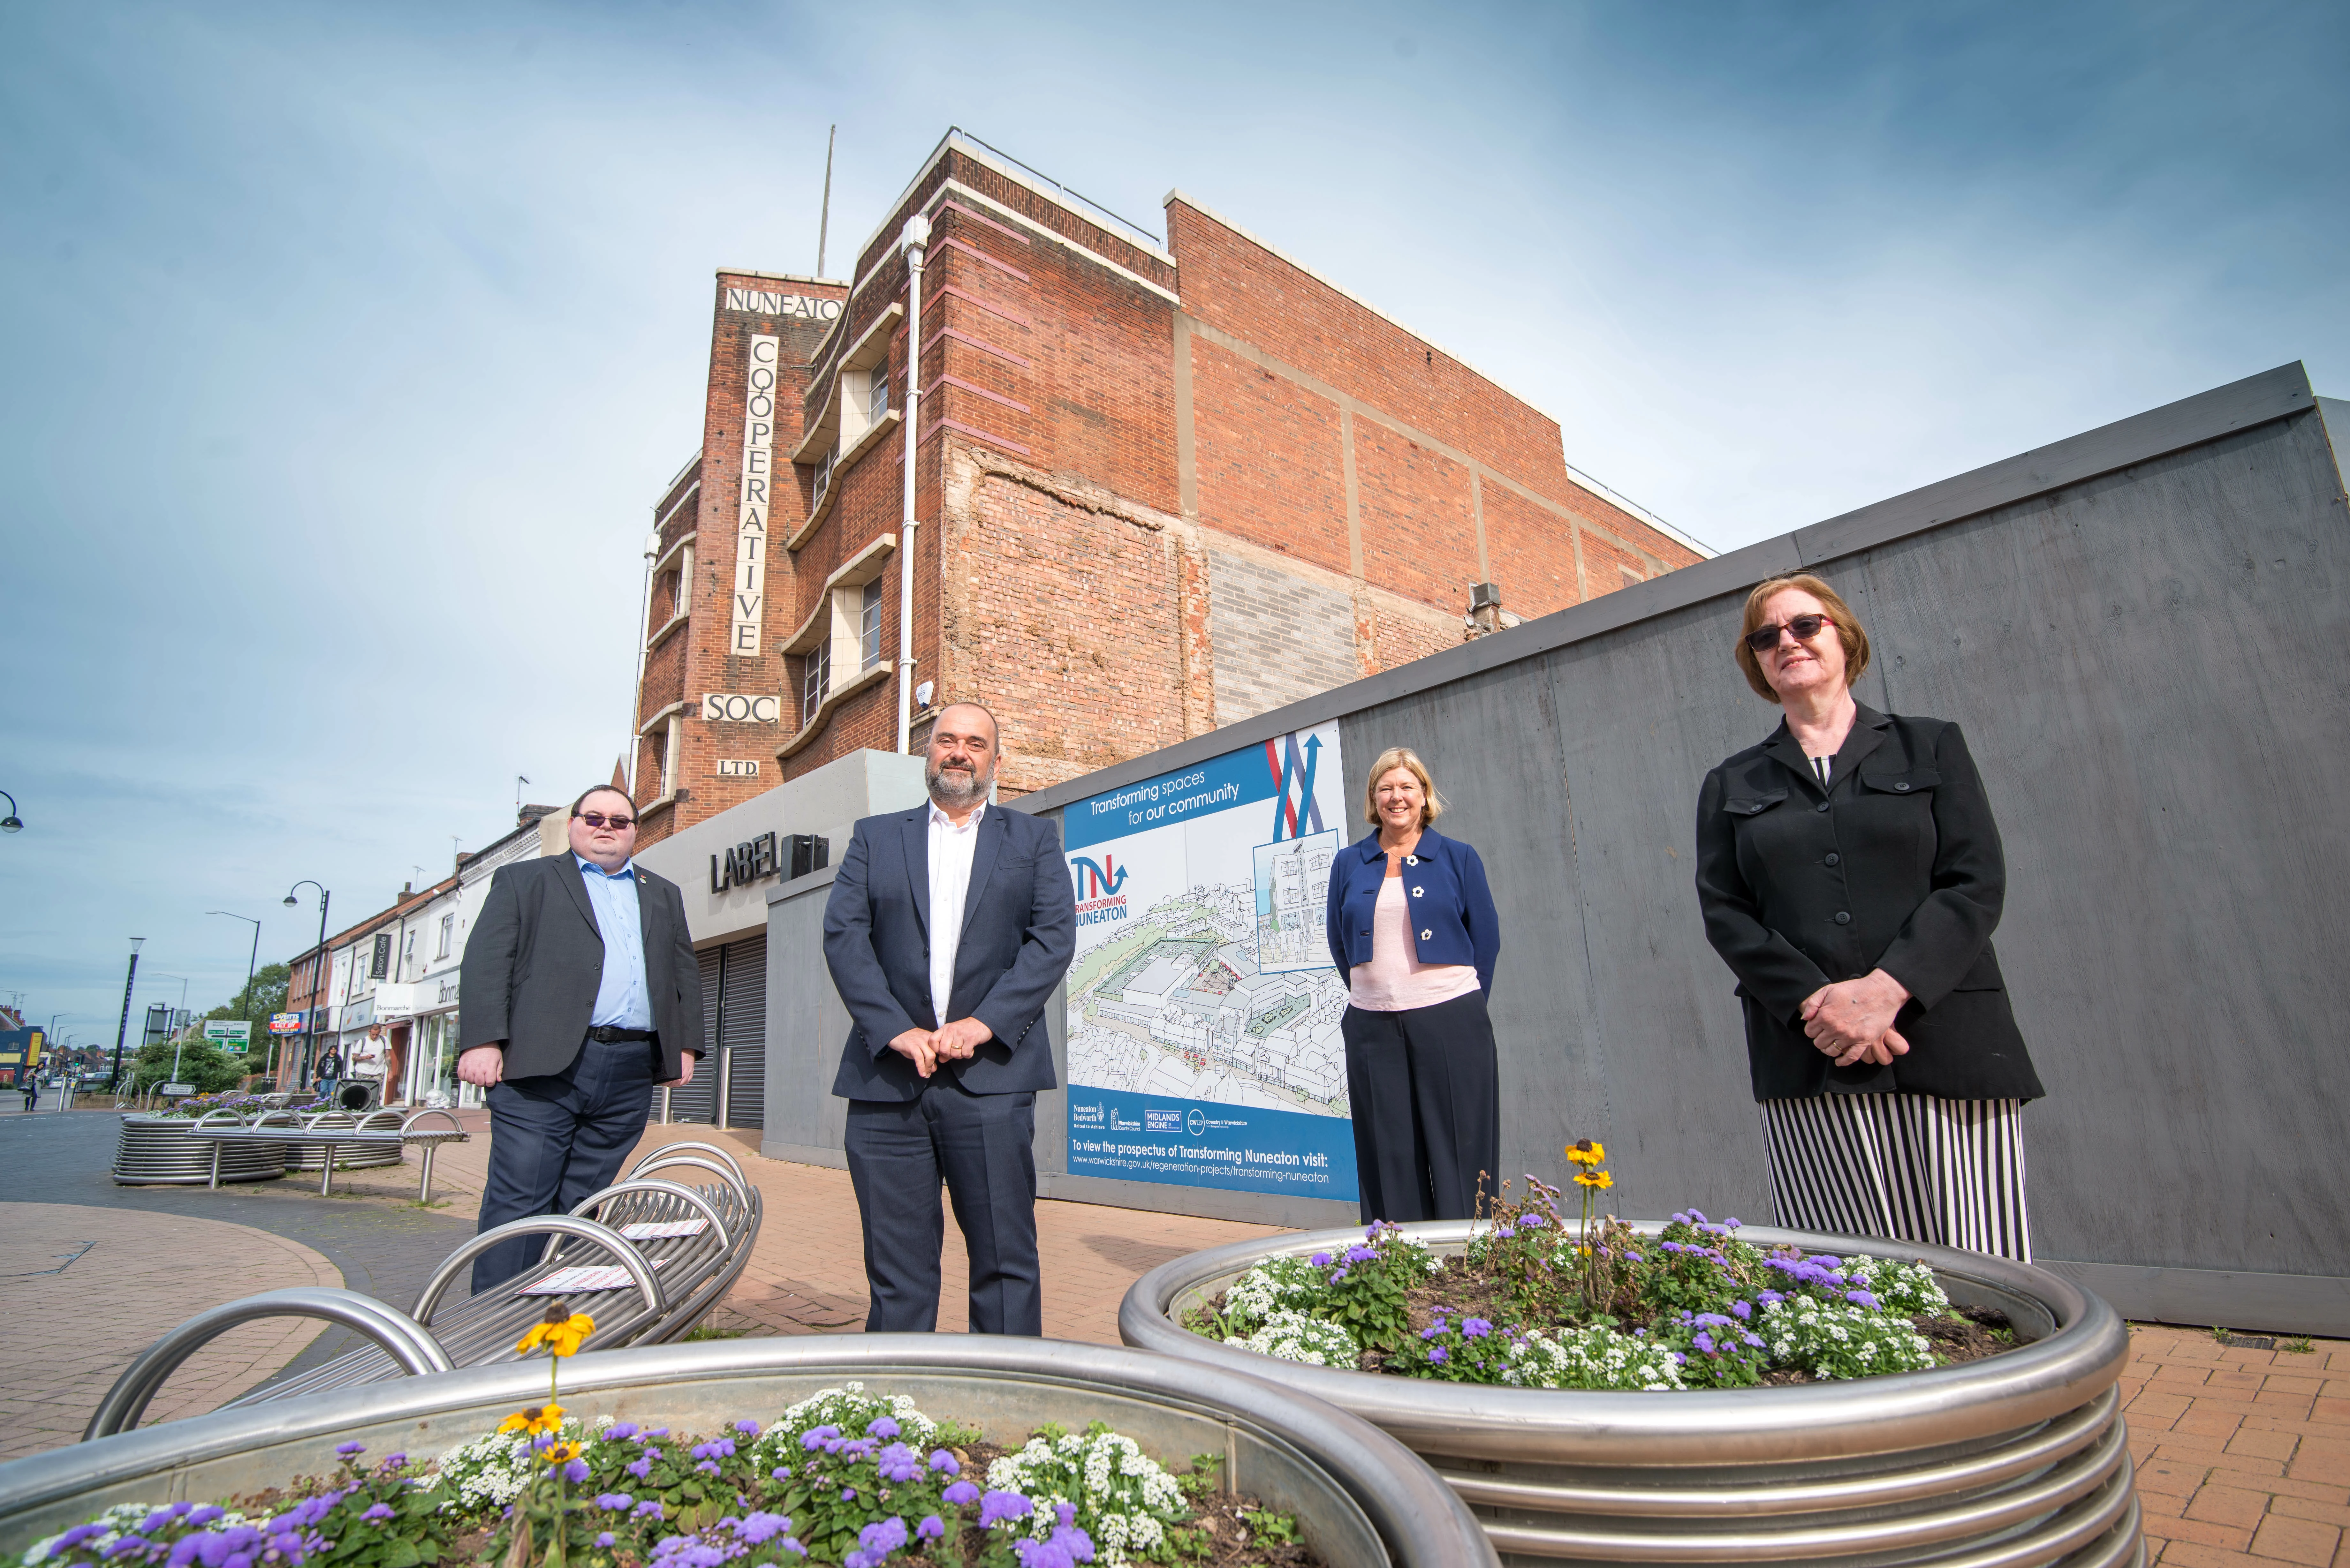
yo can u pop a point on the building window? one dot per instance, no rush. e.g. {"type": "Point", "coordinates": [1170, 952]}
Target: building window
{"type": "Point", "coordinates": [816, 679]}
{"type": "Point", "coordinates": [869, 625]}
{"type": "Point", "coordinates": [408, 954]}
{"type": "Point", "coordinates": [877, 399]}
{"type": "Point", "coordinates": [448, 933]}
{"type": "Point", "coordinates": [670, 736]}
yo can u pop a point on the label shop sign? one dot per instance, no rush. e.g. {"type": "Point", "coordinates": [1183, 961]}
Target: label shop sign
{"type": "Point", "coordinates": [740, 708]}
{"type": "Point", "coordinates": [747, 863]}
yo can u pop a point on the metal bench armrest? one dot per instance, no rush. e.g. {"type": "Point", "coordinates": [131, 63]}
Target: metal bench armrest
{"type": "Point", "coordinates": [623, 1252]}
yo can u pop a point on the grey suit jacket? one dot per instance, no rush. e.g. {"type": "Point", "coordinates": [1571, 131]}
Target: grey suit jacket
{"type": "Point", "coordinates": [536, 958]}
{"type": "Point", "coordinates": [1019, 931]}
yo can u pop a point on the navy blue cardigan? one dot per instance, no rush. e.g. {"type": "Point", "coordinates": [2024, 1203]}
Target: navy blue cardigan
{"type": "Point", "coordinates": [1453, 910]}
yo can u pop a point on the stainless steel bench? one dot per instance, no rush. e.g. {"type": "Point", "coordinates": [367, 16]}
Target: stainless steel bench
{"type": "Point", "coordinates": [329, 1132]}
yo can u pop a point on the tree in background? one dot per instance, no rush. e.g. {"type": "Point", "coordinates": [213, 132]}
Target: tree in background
{"type": "Point", "coordinates": [201, 1065]}
{"type": "Point", "coordinates": [255, 1004]}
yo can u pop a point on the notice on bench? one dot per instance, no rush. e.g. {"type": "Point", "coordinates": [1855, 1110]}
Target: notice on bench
{"type": "Point", "coordinates": [583, 1280]}
{"type": "Point", "coordinates": [662, 1230]}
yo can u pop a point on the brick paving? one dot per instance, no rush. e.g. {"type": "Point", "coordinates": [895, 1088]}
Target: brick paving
{"type": "Point", "coordinates": [83, 1290]}
{"type": "Point", "coordinates": [2243, 1456]}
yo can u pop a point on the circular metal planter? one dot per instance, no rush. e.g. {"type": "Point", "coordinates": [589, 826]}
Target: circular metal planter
{"type": "Point", "coordinates": [1361, 1498]}
{"type": "Point", "coordinates": [156, 1151]}
{"type": "Point", "coordinates": [2014, 1461]}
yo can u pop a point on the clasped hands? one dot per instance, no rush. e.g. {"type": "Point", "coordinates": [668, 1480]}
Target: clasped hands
{"type": "Point", "coordinates": [956, 1041]}
{"type": "Point", "coordinates": [1851, 1021]}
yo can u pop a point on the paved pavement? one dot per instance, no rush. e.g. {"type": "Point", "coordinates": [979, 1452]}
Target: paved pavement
{"type": "Point", "coordinates": [2243, 1455]}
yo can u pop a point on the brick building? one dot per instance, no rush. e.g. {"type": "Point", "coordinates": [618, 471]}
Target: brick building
{"type": "Point", "coordinates": [1159, 487]}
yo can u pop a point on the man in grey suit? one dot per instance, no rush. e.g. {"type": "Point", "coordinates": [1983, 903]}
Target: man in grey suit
{"type": "Point", "coordinates": [948, 929]}
{"type": "Point", "coordinates": [581, 993]}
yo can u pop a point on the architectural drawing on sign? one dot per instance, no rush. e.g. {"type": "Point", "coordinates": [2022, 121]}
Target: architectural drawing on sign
{"type": "Point", "coordinates": [1180, 1004]}
{"type": "Point", "coordinates": [1292, 885]}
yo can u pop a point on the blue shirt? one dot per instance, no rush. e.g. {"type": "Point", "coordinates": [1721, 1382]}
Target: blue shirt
{"type": "Point", "coordinates": [622, 1001]}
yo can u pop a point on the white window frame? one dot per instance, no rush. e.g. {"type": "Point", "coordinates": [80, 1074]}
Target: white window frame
{"type": "Point", "coordinates": [448, 933]}
{"type": "Point", "coordinates": [871, 597]}
{"type": "Point", "coordinates": [816, 679]}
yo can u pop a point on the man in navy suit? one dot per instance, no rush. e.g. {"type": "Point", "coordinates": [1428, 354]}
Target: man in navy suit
{"type": "Point", "coordinates": [948, 929]}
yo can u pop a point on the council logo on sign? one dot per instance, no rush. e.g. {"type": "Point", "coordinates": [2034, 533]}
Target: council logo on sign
{"type": "Point", "coordinates": [1098, 888]}
{"type": "Point", "coordinates": [1196, 1124]}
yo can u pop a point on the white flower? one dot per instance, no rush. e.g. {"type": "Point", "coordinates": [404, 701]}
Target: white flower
{"type": "Point", "coordinates": [1289, 1335]}
{"type": "Point", "coordinates": [1124, 1499]}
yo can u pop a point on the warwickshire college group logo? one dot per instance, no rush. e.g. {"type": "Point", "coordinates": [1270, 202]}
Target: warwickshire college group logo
{"type": "Point", "coordinates": [1098, 899]}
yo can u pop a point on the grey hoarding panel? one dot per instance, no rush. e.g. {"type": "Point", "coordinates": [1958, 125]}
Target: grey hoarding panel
{"type": "Point", "coordinates": [805, 1026]}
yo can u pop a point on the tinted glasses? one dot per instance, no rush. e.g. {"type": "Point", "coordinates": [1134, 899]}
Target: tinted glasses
{"type": "Point", "coordinates": [597, 819]}
{"type": "Point", "coordinates": [1763, 638]}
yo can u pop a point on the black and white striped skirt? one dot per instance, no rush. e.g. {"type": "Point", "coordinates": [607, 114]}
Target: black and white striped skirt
{"type": "Point", "coordinates": [1910, 1168]}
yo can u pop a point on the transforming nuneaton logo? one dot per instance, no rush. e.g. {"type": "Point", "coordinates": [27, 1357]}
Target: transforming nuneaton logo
{"type": "Point", "coordinates": [1098, 899]}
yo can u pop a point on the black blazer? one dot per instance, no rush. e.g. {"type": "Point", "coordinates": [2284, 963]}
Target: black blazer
{"type": "Point", "coordinates": [1019, 931]}
{"type": "Point", "coordinates": [1896, 867]}
{"type": "Point", "coordinates": [534, 960]}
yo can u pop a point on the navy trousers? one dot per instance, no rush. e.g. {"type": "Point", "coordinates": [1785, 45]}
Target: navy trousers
{"type": "Point", "coordinates": [556, 1140]}
{"type": "Point", "coordinates": [1425, 1088]}
{"type": "Point", "coordinates": [980, 1145]}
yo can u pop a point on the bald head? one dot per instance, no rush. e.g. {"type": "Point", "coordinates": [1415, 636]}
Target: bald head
{"type": "Point", "coordinates": [959, 761]}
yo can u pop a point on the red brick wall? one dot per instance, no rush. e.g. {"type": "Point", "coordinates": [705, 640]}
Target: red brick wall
{"type": "Point", "coordinates": [1420, 537]}
{"type": "Point", "coordinates": [1270, 467]}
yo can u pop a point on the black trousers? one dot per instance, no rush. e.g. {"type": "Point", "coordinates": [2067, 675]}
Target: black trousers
{"type": "Point", "coordinates": [557, 1139]}
{"type": "Point", "coordinates": [1426, 1095]}
{"type": "Point", "coordinates": [980, 1145]}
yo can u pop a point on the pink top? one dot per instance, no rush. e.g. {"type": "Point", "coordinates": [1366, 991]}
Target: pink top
{"type": "Point", "coordinates": [1395, 980]}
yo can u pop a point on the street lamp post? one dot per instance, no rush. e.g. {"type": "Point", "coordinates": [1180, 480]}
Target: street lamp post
{"type": "Point", "coordinates": [251, 958]}
{"type": "Point", "coordinates": [114, 1085]}
{"type": "Point", "coordinates": [317, 979]}
{"type": "Point", "coordinates": [10, 823]}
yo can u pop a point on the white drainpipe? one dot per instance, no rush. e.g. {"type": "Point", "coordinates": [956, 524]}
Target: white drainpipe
{"type": "Point", "coordinates": [914, 236]}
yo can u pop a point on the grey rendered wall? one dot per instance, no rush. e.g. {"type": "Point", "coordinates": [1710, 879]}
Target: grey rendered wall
{"type": "Point", "coordinates": [805, 1024]}
{"type": "Point", "coordinates": [2141, 630]}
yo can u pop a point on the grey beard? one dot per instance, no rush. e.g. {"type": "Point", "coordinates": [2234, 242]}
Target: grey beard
{"type": "Point", "coordinates": [955, 788]}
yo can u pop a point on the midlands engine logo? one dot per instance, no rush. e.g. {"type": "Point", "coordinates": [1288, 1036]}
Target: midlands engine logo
{"type": "Point", "coordinates": [1098, 899]}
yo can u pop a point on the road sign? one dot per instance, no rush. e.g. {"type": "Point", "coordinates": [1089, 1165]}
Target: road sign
{"type": "Point", "coordinates": [177, 1089]}
{"type": "Point", "coordinates": [231, 1034]}
{"type": "Point", "coordinates": [285, 1023]}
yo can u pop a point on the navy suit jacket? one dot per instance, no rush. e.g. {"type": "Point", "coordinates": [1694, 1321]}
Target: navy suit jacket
{"type": "Point", "coordinates": [1019, 930]}
{"type": "Point", "coordinates": [1452, 915]}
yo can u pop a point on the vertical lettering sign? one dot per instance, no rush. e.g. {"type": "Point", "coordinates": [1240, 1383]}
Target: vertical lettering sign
{"type": "Point", "coordinates": [751, 523]}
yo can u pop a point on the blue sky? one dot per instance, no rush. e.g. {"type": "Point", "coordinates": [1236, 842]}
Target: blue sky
{"type": "Point", "coordinates": [343, 349]}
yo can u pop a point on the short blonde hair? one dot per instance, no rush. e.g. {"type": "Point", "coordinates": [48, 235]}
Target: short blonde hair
{"type": "Point", "coordinates": [1431, 804]}
{"type": "Point", "coordinates": [1849, 632]}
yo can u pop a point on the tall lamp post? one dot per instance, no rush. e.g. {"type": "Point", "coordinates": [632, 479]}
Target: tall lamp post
{"type": "Point", "coordinates": [10, 823]}
{"type": "Point", "coordinates": [251, 958]}
{"type": "Point", "coordinates": [114, 1085]}
{"type": "Point", "coordinates": [317, 979]}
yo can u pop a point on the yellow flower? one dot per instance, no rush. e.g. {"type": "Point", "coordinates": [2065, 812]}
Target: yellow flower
{"type": "Point", "coordinates": [1590, 1151]}
{"type": "Point", "coordinates": [536, 1419]}
{"type": "Point", "coordinates": [561, 1453]}
{"type": "Point", "coordinates": [1598, 1178]}
{"type": "Point", "coordinates": [561, 1335]}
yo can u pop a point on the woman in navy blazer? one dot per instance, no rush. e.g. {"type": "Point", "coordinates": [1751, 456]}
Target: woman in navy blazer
{"type": "Point", "coordinates": [1413, 926]}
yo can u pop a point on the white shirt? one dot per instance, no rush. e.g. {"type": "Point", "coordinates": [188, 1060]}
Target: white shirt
{"type": "Point", "coordinates": [951, 851]}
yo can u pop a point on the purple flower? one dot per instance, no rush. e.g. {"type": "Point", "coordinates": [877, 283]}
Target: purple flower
{"type": "Point", "coordinates": [960, 1493]}
{"type": "Point", "coordinates": [1475, 1328]}
{"type": "Point", "coordinates": [748, 1428]}
{"type": "Point", "coordinates": [1730, 1224]}
{"type": "Point", "coordinates": [575, 1471]}
{"type": "Point", "coordinates": [1320, 1259]}
{"type": "Point", "coordinates": [997, 1506]}
{"type": "Point", "coordinates": [932, 1527]}
{"type": "Point", "coordinates": [1432, 1330]}
{"type": "Point", "coordinates": [1771, 1298]}
{"type": "Point", "coordinates": [603, 1538]}
{"type": "Point", "coordinates": [761, 1528]}
{"type": "Point", "coordinates": [651, 1452]}
{"type": "Point", "coordinates": [649, 1509]}
{"type": "Point", "coordinates": [393, 1462]}
{"type": "Point", "coordinates": [619, 1431]}
{"type": "Point", "coordinates": [1634, 1258]}
{"type": "Point", "coordinates": [1530, 1222]}
{"type": "Point", "coordinates": [615, 1501]}
{"type": "Point", "coordinates": [1438, 1355]}
{"type": "Point", "coordinates": [350, 1448]}
{"type": "Point", "coordinates": [816, 1438]}
{"type": "Point", "coordinates": [883, 1536]}
{"type": "Point", "coordinates": [708, 1467]}
{"type": "Point", "coordinates": [1704, 1342]}
{"type": "Point", "coordinates": [717, 1448]}
{"type": "Point", "coordinates": [639, 1468]}
{"type": "Point", "coordinates": [848, 1494]}
{"type": "Point", "coordinates": [1741, 1310]}
{"type": "Point", "coordinates": [945, 1463]}
{"type": "Point", "coordinates": [883, 1426]}
{"type": "Point", "coordinates": [782, 1472]}
{"type": "Point", "coordinates": [1336, 1277]}
{"type": "Point", "coordinates": [1360, 1254]}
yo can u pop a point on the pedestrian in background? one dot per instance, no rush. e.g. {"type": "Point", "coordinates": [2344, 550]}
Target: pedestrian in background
{"type": "Point", "coordinates": [1413, 926]}
{"type": "Point", "coordinates": [1850, 875]}
{"type": "Point", "coordinates": [329, 1074]}
{"type": "Point", "coordinates": [947, 930]}
{"type": "Point", "coordinates": [32, 1087]}
{"type": "Point", "coordinates": [581, 993]}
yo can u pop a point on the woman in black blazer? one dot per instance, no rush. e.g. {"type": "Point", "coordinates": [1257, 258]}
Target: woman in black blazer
{"type": "Point", "coordinates": [1413, 926]}
{"type": "Point", "coordinates": [1850, 876]}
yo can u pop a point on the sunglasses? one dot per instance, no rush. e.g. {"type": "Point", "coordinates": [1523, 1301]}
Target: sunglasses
{"type": "Point", "coordinates": [1763, 638]}
{"type": "Point", "coordinates": [597, 819]}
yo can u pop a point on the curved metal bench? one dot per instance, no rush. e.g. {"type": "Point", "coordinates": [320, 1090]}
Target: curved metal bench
{"type": "Point", "coordinates": [382, 1135]}
{"type": "Point", "coordinates": [674, 1283]}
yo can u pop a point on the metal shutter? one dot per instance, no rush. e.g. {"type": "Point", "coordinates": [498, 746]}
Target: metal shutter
{"type": "Point", "coordinates": [744, 1032]}
{"type": "Point", "coordinates": [698, 1101]}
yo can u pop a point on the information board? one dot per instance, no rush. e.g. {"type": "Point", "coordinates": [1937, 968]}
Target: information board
{"type": "Point", "coordinates": [1203, 1006]}
{"type": "Point", "coordinates": [234, 1035]}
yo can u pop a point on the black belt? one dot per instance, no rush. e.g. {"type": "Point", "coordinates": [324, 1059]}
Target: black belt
{"type": "Point", "coordinates": [606, 1034]}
